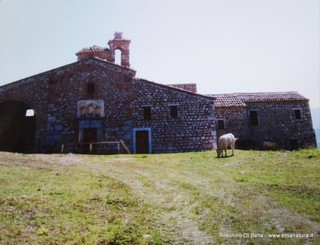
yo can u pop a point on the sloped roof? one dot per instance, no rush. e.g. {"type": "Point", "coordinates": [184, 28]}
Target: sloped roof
{"type": "Point", "coordinates": [91, 61]}
{"type": "Point", "coordinates": [228, 100]}
{"type": "Point", "coordinates": [191, 87]}
{"type": "Point", "coordinates": [271, 96]}
{"type": "Point", "coordinates": [241, 99]}
{"type": "Point", "coordinates": [174, 88]}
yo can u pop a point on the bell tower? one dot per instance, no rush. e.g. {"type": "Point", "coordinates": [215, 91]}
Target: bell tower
{"type": "Point", "coordinates": [118, 43]}
{"type": "Point", "coordinates": [108, 54]}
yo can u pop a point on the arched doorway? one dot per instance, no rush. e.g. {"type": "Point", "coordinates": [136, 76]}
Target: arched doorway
{"type": "Point", "coordinates": [17, 127]}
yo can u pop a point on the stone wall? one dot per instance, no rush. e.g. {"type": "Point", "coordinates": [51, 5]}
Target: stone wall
{"type": "Point", "coordinates": [276, 122]}
{"type": "Point", "coordinates": [32, 92]}
{"type": "Point", "coordinates": [54, 96]}
{"type": "Point", "coordinates": [111, 87]}
{"type": "Point", "coordinates": [192, 129]}
{"type": "Point", "coordinates": [95, 94]}
{"type": "Point", "coordinates": [279, 123]}
{"type": "Point", "coordinates": [233, 120]}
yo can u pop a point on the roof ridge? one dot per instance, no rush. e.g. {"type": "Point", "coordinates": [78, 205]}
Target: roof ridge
{"type": "Point", "coordinates": [241, 99]}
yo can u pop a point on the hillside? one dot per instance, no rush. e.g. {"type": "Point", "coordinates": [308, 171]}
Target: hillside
{"type": "Point", "coordinates": [191, 198]}
{"type": "Point", "coordinates": [317, 131]}
{"type": "Point", "coordinates": [315, 113]}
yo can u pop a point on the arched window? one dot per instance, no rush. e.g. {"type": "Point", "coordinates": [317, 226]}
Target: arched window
{"type": "Point", "coordinates": [117, 58]}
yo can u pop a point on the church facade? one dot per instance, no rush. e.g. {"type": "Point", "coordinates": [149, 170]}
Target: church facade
{"type": "Point", "coordinates": [95, 100]}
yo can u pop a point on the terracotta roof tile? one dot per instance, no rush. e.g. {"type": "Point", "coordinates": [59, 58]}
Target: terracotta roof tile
{"type": "Point", "coordinates": [227, 100]}
{"type": "Point", "coordinates": [271, 97]}
{"type": "Point", "coordinates": [240, 99]}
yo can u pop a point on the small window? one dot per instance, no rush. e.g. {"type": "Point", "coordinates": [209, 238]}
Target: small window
{"type": "Point", "coordinates": [297, 114]}
{"type": "Point", "coordinates": [29, 113]}
{"type": "Point", "coordinates": [52, 82]}
{"type": "Point", "coordinates": [254, 118]}
{"type": "Point", "coordinates": [147, 113]}
{"type": "Point", "coordinates": [221, 124]}
{"type": "Point", "coordinates": [90, 90]}
{"type": "Point", "coordinates": [173, 111]}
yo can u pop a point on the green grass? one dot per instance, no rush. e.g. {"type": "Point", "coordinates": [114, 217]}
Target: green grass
{"type": "Point", "coordinates": [189, 198]}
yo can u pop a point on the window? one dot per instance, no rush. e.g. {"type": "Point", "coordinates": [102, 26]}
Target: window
{"type": "Point", "coordinates": [173, 111]}
{"type": "Point", "coordinates": [147, 113]}
{"type": "Point", "coordinates": [297, 114]}
{"type": "Point", "coordinates": [221, 124]}
{"type": "Point", "coordinates": [52, 81]}
{"type": "Point", "coordinates": [117, 57]}
{"type": "Point", "coordinates": [90, 90]}
{"type": "Point", "coordinates": [254, 118]}
{"type": "Point", "coordinates": [29, 113]}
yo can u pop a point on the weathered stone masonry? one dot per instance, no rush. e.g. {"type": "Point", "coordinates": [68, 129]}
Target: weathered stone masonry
{"type": "Point", "coordinates": [15, 98]}
{"type": "Point", "coordinates": [192, 129]}
{"type": "Point", "coordinates": [95, 100]}
{"type": "Point", "coordinates": [280, 117]}
{"type": "Point", "coordinates": [61, 92]}
{"type": "Point", "coordinates": [109, 84]}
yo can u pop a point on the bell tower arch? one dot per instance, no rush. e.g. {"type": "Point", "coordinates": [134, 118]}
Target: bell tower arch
{"type": "Point", "coordinates": [118, 43]}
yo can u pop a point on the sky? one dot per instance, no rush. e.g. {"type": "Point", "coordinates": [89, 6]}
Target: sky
{"type": "Point", "coordinates": [224, 46]}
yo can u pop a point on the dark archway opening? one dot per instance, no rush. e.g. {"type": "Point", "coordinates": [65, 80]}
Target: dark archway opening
{"type": "Point", "coordinates": [17, 127]}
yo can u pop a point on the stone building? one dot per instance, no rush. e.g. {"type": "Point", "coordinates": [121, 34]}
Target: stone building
{"type": "Point", "coordinates": [280, 117]}
{"type": "Point", "coordinates": [94, 102]}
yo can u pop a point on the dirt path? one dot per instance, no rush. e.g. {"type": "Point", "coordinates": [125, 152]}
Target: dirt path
{"type": "Point", "coordinates": [174, 195]}
{"type": "Point", "coordinates": [193, 203]}
{"type": "Point", "coordinates": [173, 204]}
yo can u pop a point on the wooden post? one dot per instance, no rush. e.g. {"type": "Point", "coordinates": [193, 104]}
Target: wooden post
{"type": "Point", "coordinates": [124, 146]}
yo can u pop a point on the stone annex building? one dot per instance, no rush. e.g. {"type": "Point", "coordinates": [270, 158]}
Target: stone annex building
{"type": "Point", "coordinates": [93, 103]}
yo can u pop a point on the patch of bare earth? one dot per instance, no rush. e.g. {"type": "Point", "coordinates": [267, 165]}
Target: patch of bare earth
{"type": "Point", "coordinates": [173, 192]}
{"type": "Point", "coordinates": [278, 218]}
{"type": "Point", "coordinates": [39, 161]}
{"type": "Point", "coordinates": [174, 205]}
{"type": "Point", "coordinates": [265, 212]}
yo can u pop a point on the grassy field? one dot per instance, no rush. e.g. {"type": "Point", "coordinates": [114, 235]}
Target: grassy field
{"type": "Point", "coordinates": [191, 198]}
